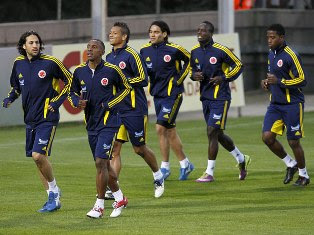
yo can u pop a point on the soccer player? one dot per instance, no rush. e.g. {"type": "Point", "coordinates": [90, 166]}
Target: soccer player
{"type": "Point", "coordinates": [163, 61]}
{"type": "Point", "coordinates": [98, 87]}
{"type": "Point", "coordinates": [35, 76]}
{"type": "Point", "coordinates": [284, 80]}
{"type": "Point", "coordinates": [134, 111]}
{"type": "Point", "coordinates": [214, 66]}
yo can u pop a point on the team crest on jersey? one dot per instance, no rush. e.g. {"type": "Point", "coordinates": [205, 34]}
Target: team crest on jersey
{"type": "Point", "coordinates": [213, 60]}
{"type": "Point", "coordinates": [122, 65]}
{"type": "Point", "coordinates": [104, 81]}
{"type": "Point", "coordinates": [42, 74]}
{"type": "Point", "coordinates": [167, 58]}
{"type": "Point", "coordinates": [279, 63]}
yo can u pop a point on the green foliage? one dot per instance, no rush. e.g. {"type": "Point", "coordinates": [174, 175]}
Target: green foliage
{"type": "Point", "coordinates": [261, 204]}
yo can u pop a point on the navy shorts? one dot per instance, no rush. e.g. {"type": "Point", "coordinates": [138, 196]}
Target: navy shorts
{"type": "Point", "coordinates": [167, 110]}
{"type": "Point", "coordinates": [135, 128]}
{"type": "Point", "coordinates": [39, 139]}
{"type": "Point", "coordinates": [278, 117]}
{"type": "Point", "coordinates": [216, 112]}
{"type": "Point", "coordinates": [101, 143]}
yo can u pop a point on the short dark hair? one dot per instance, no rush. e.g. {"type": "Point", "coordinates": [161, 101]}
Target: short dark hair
{"type": "Point", "coordinates": [277, 28]}
{"type": "Point", "coordinates": [124, 29]}
{"type": "Point", "coordinates": [210, 26]}
{"type": "Point", "coordinates": [22, 41]}
{"type": "Point", "coordinates": [100, 42]}
{"type": "Point", "coordinates": [163, 26]}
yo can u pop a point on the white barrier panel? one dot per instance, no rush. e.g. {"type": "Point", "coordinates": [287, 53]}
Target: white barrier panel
{"type": "Point", "coordinates": [74, 54]}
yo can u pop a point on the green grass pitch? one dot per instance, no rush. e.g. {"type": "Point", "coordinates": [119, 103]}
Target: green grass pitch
{"type": "Point", "coordinates": [261, 204]}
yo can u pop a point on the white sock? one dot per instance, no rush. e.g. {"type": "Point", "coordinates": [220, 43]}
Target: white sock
{"type": "Point", "coordinates": [118, 196]}
{"type": "Point", "coordinates": [210, 167]}
{"type": "Point", "coordinates": [100, 203]}
{"type": "Point", "coordinates": [303, 173]}
{"type": "Point", "coordinates": [165, 165]}
{"type": "Point", "coordinates": [157, 175]}
{"type": "Point", "coordinates": [289, 161]}
{"type": "Point", "coordinates": [184, 163]}
{"type": "Point", "coordinates": [53, 186]}
{"type": "Point", "coordinates": [239, 157]}
{"type": "Point", "coordinates": [47, 192]}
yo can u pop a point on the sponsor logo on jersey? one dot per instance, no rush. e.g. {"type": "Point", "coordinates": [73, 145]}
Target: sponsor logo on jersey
{"type": "Point", "coordinates": [104, 81]}
{"type": "Point", "coordinates": [138, 134]}
{"type": "Point", "coordinates": [279, 63]}
{"type": "Point", "coordinates": [295, 128]}
{"type": "Point", "coordinates": [42, 74]}
{"type": "Point", "coordinates": [217, 116]}
{"type": "Point", "coordinates": [44, 142]}
{"type": "Point", "coordinates": [122, 65]}
{"type": "Point", "coordinates": [165, 110]}
{"type": "Point", "coordinates": [213, 60]}
{"type": "Point", "coordinates": [167, 58]}
{"type": "Point", "coordinates": [106, 147]}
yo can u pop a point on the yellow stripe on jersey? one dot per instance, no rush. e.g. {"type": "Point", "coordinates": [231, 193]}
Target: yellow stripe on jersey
{"type": "Point", "coordinates": [139, 65]}
{"type": "Point", "coordinates": [187, 54]}
{"type": "Point", "coordinates": [216, 91]}
{"type": "Point", "coordinates": [46, 107]}
{"type": "Point", "coordinates": [288, 95]}
{"type": "Point", "coordinates": [133, 98]}
{"type": "Point", "coordinates": [146, 45]}
{"type": "Point", "coordinates": [68, 75]}
{"type": "Point", "coordinates": [294, 80]}
{"type": "Point", "coordinates": [195, 47]}
{"type": "Point", "coordinates": [55, 85]}
{"type": "Point", "coordinates": [20, 58]}
{"type": "Point", "coordinates": [170, 86]}
{"type": "Point", "coordinates": [224, 115]}
{"type": "Point", "coordinates": [125, 83]}
{"type": "Point", "coordinates": [238, 63]}
{"type": "Point", "coordinates": [106, 117]}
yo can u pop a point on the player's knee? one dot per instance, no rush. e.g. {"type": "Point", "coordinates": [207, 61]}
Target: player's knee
{"type": "Point", "coordinates": [268, 138]}
{"type": "Point", "coordinates": [139, 150]}
{"type": "Point", "coordinates": [37, 157]}
{"type": "Point", "coordinates": [101, 163]}
{"type": "Point", "coordinates": [161, 130]}
{"type": "Point", "coordinates": [294, 144]}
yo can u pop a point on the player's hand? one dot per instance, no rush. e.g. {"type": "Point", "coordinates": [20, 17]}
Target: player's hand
{"type": "Point", "coordinates": [271, 79]}
{"type": "Point", "coordinates": [215, 80]}
{"type": "Point", "coordinates": [198, 76]}
{"type": "Point", "coordinates": [50, 108]}
{"type": "Point", "coordinates": [264, 84]}
{"type": "Point", "coordinates": [6, 103]}
{"type": "Point", "coordinates": [82, 104]}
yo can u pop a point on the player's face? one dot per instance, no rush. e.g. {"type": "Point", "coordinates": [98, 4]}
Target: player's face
{"type": "Point", "coordinates": [274, 40]}
{"type": "Point", "coordinates": [32, 46]}
{"type": "Point", "coordinates": [94, 50]}
{"type": "Point", "coordinates": [155, 35]}
{"type": "Point", "coordinates": [116, 37]}
{"type": "Point", "coordinates": [203, 33]}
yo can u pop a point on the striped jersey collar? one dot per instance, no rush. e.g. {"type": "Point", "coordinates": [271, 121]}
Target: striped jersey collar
{"type": "Point", "coordinates": [119, 49]}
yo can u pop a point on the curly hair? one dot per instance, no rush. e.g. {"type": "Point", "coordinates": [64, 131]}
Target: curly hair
{"type": "Point", "coordinates": [22, 41]}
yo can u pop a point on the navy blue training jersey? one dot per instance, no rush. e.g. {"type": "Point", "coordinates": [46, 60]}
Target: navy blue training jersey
{"type": "Point", "coordinates": [164, 67]}
{"type": "Point", "coordinates": [132, 65]}
{"type": "Point", "coordinates": [286, 65]}
{"type": "Point", "coordinates": [38, 82]}
{"type": "Point", "coordinates": [215, 60]}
